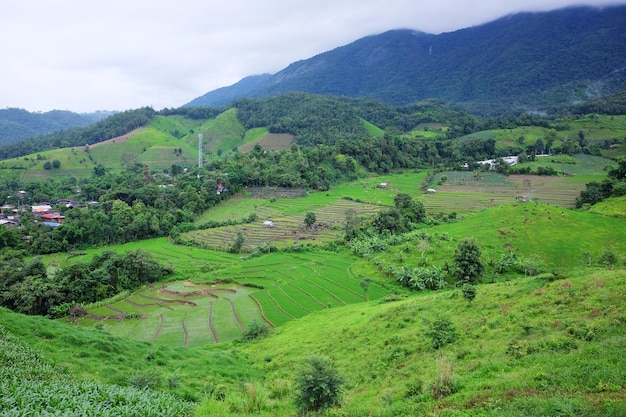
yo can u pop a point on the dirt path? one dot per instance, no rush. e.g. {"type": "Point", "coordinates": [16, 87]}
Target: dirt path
{"type": "Point", "coordinates": [118, 139]}
{"type": "Point", "coordinates": [120, 313]}
{"type": "Point", "coordinates": [156, 335]}
{"type": "Point", "coordinates": [185, 331]}
{"type": "Point", "coordinates": [164, 300]}
{"type": "Point", "coordinates": [213, 332]}
{"type": "Point", "coordinates": [261, 311]}
{"type": "Point", "coordinates": [148, 305]}
{"type": "Point", "coordinates": [232, 307]}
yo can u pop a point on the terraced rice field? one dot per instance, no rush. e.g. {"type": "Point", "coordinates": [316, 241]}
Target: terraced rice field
{"type": "Point", "coordinates": [464, 194]}
{"type": "Point", "coordinates": [287, 230]}
{"type": "Point", "coordinates": [273, 289]}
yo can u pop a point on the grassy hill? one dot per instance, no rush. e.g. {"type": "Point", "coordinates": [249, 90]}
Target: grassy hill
{"type": "Point", "coordinates": [524, 347]}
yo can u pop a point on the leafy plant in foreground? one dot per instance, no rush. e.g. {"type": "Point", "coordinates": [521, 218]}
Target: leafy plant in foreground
{"type": "Point", "coordinates": [318, 384]}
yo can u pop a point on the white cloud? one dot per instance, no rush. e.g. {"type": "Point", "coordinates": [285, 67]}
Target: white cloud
{"type": "Point", "coordinates": [116, 55]}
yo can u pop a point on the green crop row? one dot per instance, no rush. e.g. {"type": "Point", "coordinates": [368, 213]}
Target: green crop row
{"type": "Point", "coordinates": [31, 386]}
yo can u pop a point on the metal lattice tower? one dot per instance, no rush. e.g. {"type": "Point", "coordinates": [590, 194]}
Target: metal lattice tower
{"type": "Point", "coordinates": [199, 150]}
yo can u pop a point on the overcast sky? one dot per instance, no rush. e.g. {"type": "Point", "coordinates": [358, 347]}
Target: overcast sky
{"type": "Point", "coordinates": [83, 56]}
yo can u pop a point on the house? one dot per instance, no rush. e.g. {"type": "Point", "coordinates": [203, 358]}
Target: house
{"type": "Point", "coordinates": [67, 202]}
{"type": "Point", "coordinates": [511, 160]}
{"type": "Point", "coordinates": [431, 191]}
{"type": "Point", "coordinates": [268, 223]}
{"type": "Point", "coordinates": [7, 208]}
{"type": "Point", "coordinates": [53, 216]}
{"type": "Point", "coordinates": [382, 186]}
{"type": "Point", "coordinates": [8, 223]}
{"type": "Point", "coordinates": [52, 224]}
{"type": "Point", "coordinates": [42, 208]}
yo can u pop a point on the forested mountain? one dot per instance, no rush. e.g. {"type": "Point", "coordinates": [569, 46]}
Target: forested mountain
{"type": "Point", "coordinates": [16, 124]}
{"type": "Point", "coordinates": [526, 61]}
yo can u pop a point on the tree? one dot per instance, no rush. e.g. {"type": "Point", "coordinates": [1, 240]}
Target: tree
{"type": "Point", "coordinates": [47, 165]}
{"type": "Point", "coordinates": [238, 243]}
{"type": "Point", "coordinates": [390, 220]}
{"type": "Point", "coordinates": [618, 172]}
{"type": "Point", "coordinates": [56, 164]}
{"type": "Point", "coordinates": [309, 219]}
{"type": "Point", "coordinates": [99, 170]}
{"type": "Point", "coordinates": [551, 137]}
{"type": "Point", "coordinates": [469, 292]}
{"type": "Point", "coordinates": [412, 211]}
{"type": "Point", "coordinates": [469, 268]}
{"type": "Point", "coordinates": [319, 385]}
{"type": "Point", "coordinates": [255, 331]}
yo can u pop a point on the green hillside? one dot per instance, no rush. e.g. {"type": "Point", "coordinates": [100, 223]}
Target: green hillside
{"type": "Point", "coordinates": [518, 352]}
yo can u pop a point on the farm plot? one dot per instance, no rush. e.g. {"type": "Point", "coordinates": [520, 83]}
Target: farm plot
{"type": "Point", "coordinates": [184, 258]}
{"type": "Point", "coordinates": [274, 288]}
{"type": "Point", "coordinates": [463, 193]}
{"type": "Point", "coordinates": [303, 283]}
{"type": "Point", "coordinates": [286, 231]}
{"type": "Point", "coordinates": [180, 314]}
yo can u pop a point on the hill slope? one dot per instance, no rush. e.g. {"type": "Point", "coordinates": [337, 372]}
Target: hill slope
{"type": "Point", "coordinates": [528, 59]}
{"type": "Point", "coordinates": [16, 124]}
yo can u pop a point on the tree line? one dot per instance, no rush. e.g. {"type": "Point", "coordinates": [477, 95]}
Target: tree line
{"type": "Point", "coordinates": [313, 119]}
{"type": "Point", "coordinates": [28, 288]}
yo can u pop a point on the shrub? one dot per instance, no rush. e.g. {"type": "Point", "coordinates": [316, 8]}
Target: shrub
{"type": "Point", "coordinates": [255, 397]}
{"type": "Point", "coordinates": [255, 331]}
{"type": "Point", "coordinates": [442, 332]}
{"type": "Point", "coordinates": [469, 292]}
{"type": "Point", "coordinates": [318, 384]}
{"type": "Point", "coordinates": [608, 259]}
{"type": "Point", "coordinates": [147, 379]}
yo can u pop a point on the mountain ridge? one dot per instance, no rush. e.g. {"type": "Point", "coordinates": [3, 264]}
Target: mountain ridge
{"type": "Point", "coordinates": [527, 60]}
{"type": "Point", "coordinates": [16, 123]}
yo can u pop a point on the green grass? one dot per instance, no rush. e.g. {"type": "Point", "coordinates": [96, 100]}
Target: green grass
{"type": "Point", "coordinates": [559, 238]}
{"type": "Point", "coordinates": [177, 126]}
{"type": "Point", "coordinates": [395, 356]}
{"type": "Point", "coordinates": [614, 207]}
{"type": "Point", "coordinates": [372, 129]}
{"type": "Point", "coordinates": [597, 129]}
